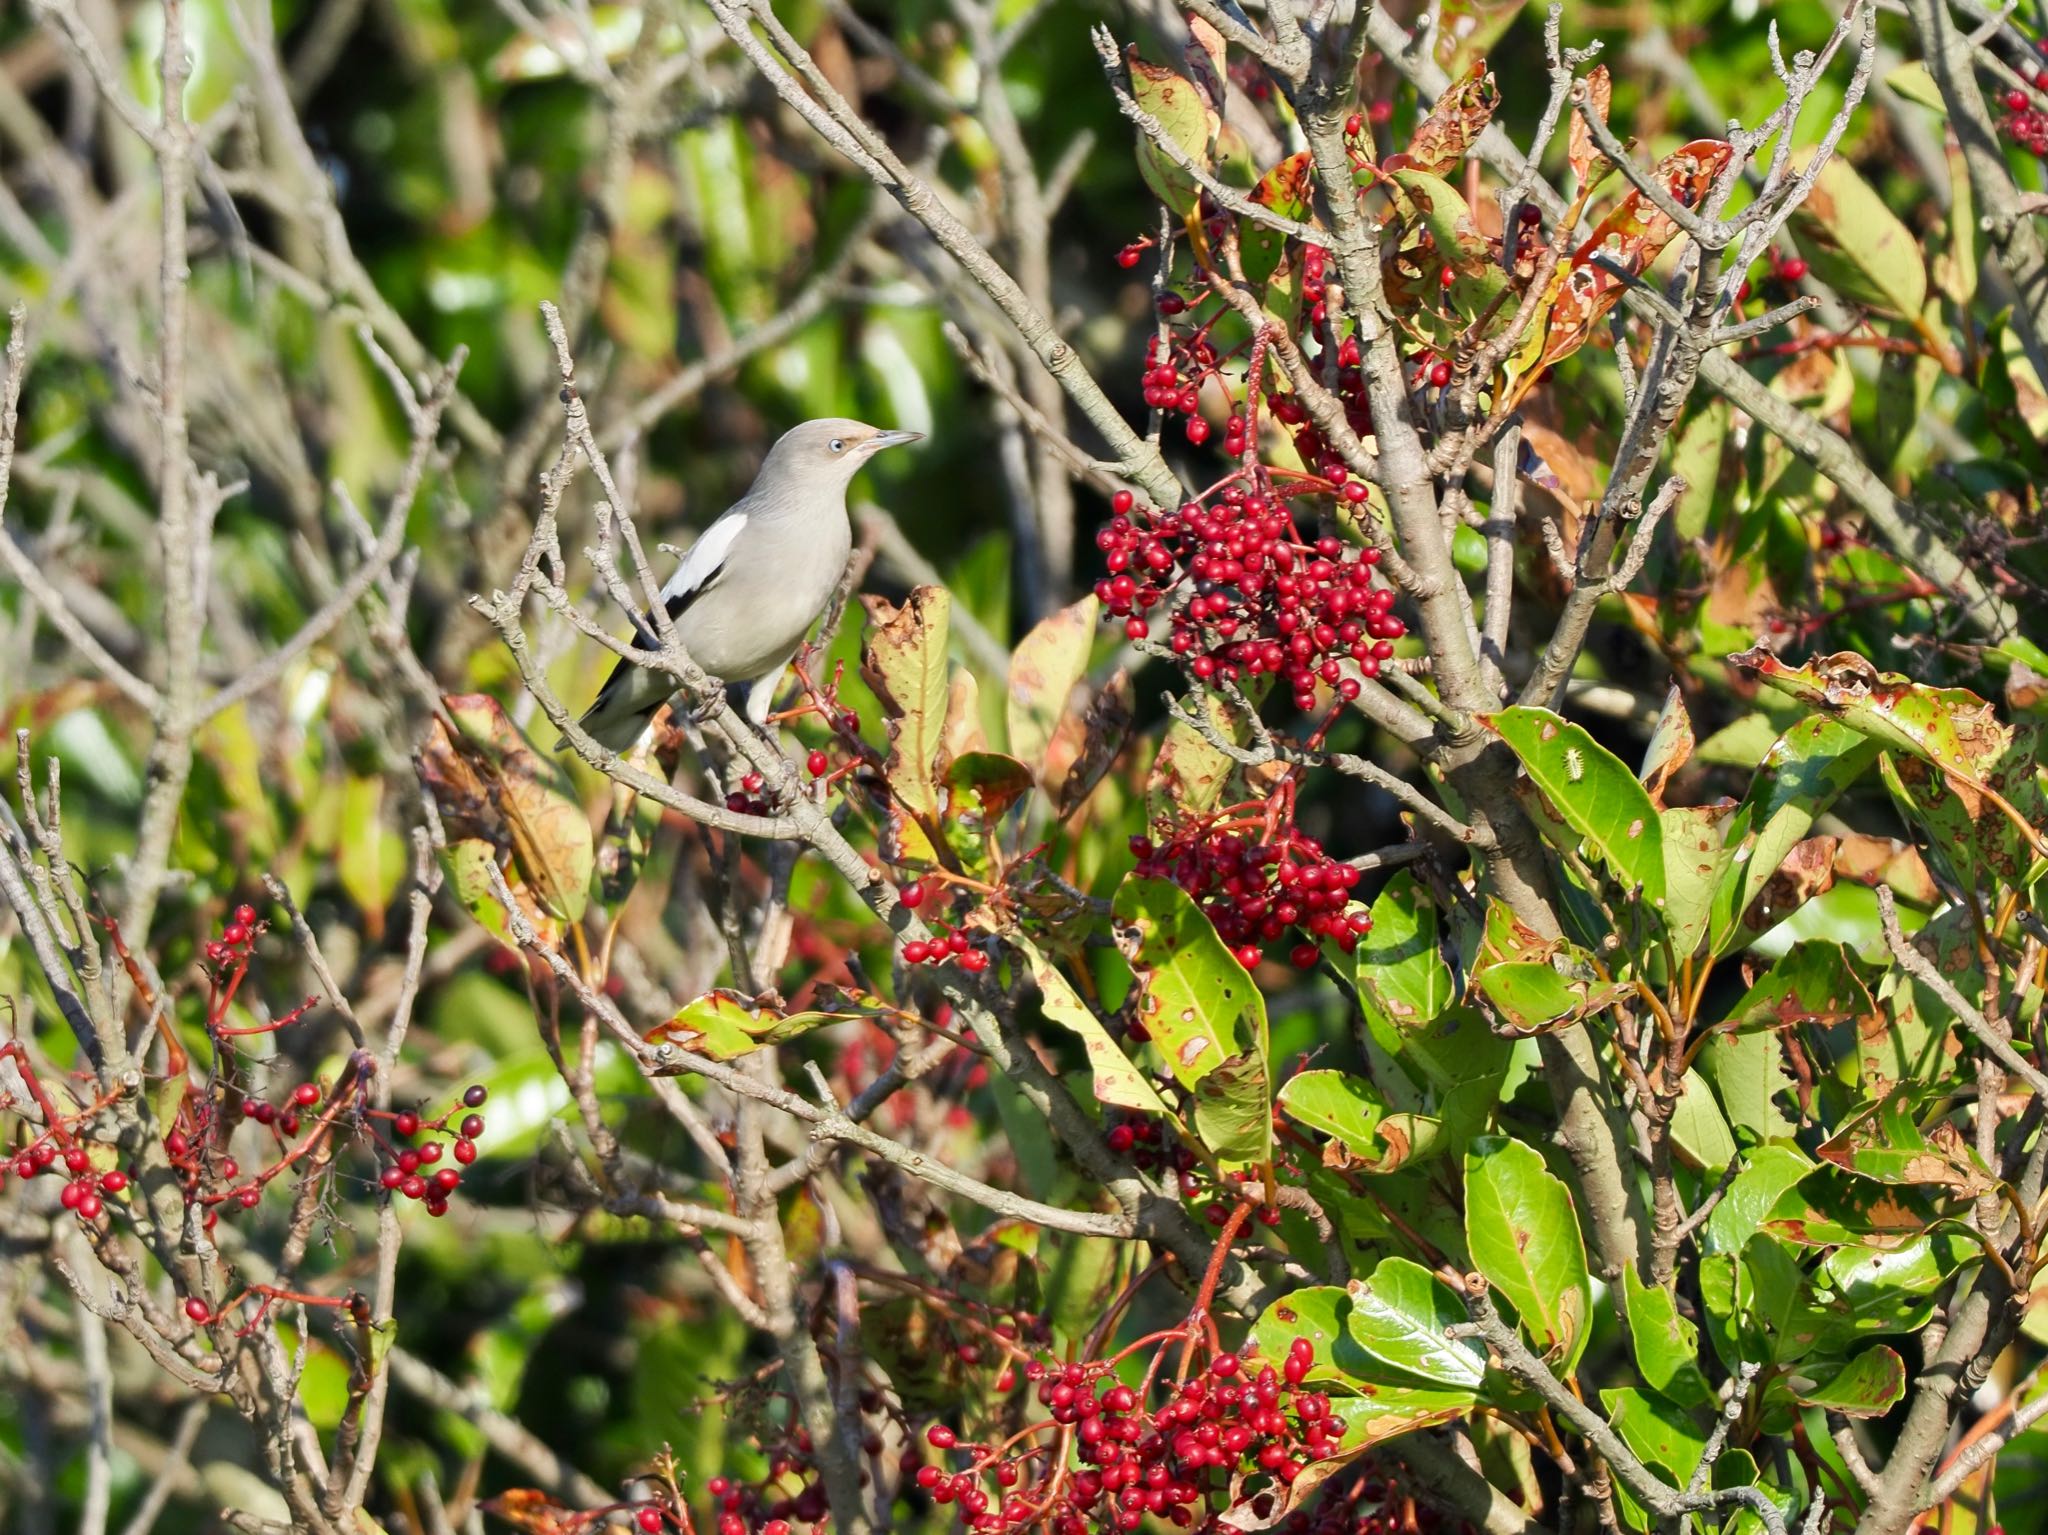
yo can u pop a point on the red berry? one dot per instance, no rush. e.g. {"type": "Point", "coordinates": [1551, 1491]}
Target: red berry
{"type": "Point", "coordinates": [406, 1125]}
{"type": "Point", "coordinates": [246, 915]}
{"type": "Point", "coordinates": [1380, 111]}
{"type": "Point", "coordinates": [473, 1097]}
{"type": "Point", "coordinates": [2015, 101]}
{"type": "Point", "coordinates": [75, 1160]}
{"type": "Point", "coordinates": [818, 764]}
{"type": "Point", "coordinates": [89, 1207]}
{"type": "Point", "coordinates": [912, 895]}
{"type": "Point", "coordinates": [233, 934]}
{"type": "Point", "coordinates": [1354, 125]}
{"type": "Point", "coordinates": [914, 952]}
{"type": "Point", "coordinates": [431, 1152]}
{"type": "Point", "coordinates": [649, 1519]}
{"type": "Point", "coordinates": [306, 1094]}
{"type": "Point", "coordinates": [1128, 256]}
{"type": "Point", "coordinates": [1439, 373]}
{"type": "Point", "coordinates": [1122, 502]}
{"type": "Point", "coordinates": [465, 1152]}
{"type": "Point", "coordinates": [940, 1437]}
{"type": "Point", "coordinates": [1305, 956]}
{"type": "Point", "coordinates": [1792, 270]}
{"type": "Point", "coordinates": [1136, 628]}
{"type": "Point", "coordinates": [1446, 277]}
{"type": "Point", "coordinates": [198, 1311]}
{"type": "Point", "coordinates": [1248, 956]}
{"type": "Point", "coordinates": [1197, 430]}
{"type": "Point", "coordinates": [974, 961]}
{"type": "Point", "coordinates": [113, 1182]}
{"type": "Point", "coordinates": [447, 1180]}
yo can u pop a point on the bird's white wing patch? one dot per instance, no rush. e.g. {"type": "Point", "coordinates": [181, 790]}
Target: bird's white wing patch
{"type": "Point", "coordinates": [705, 562]}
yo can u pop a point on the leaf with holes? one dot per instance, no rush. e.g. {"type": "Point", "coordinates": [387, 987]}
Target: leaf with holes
{"type": "Point", "coordinates": [1453, 125]}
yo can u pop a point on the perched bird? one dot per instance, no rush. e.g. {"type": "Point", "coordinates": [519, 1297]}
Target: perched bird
{"type": "Point", "coordinates": [750, 588]}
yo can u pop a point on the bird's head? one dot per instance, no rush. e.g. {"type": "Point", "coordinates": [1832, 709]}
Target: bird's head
{"type": "Point", "coordinates": [830, 450]}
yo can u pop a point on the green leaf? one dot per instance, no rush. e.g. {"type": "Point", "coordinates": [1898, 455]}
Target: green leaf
{"type": "Point", "coordinates": [1286, 190]}
{"type": "Point", "coordinates": [1399, 1317]}
{"type": "Point", "coordinates": [1748, 1073]}
{"type": "Point", "coordinates": [1234, 1112]}
{"type": "Point", "coordinates": [1798, 779]}
{"type": "Point", "coordinates": [1698, 1132]}
{"type": "Point", "coordinates": [1338, 1104]}
{"type": "Point", "coordinates": [1868, 1386]}
{"type": "Point", "coordinates": [1914, 81]}
{"type": "Point", "coordinates": [1696, 858]}
{"type": "Point", "coordinates": [370, 857]}
{"type": "Point", "coordinates": [1984, 762]}
{"type": "Point", "coordinates": [1536, 999]}
{"type": "Point", "coordinates": [1379, 1413]}
{"type": "Point", "coordinates": [1885, 1142]}
{"type": "Point", "coordinates": [1317, 1313]}
{"type": "Point", "coordinates": [1859, 1293]}
{"type": "Point", "coordinates": [1593, 792]}
{"type": "Point", "coordinates": [1180, 110]}
{"type": "Point", "coordinates": [1201, 1010]}
{"type": "Point", "coordinates": [1524, 1237]}
{"type": "Point", "coordinates": [905, 663]}
{"type": "Point", "coordinates": [1767, 1174]}
{"type": "Point", "coordinates": [1116, 1080]}
{"type": "Point", "coordinates": [1477, 278]}
{"type": "Point", "coordinates": [1660, 1433]}
{"type": "Point", "coordinates": [725, 1025]}
{"type": "Point", "coordinates": [1399, 967]}
{"type": "Point", "coordinates": [1047, 664]}
{"type": "Point", "coordinates": [994, 781]}
{"type": "Point", "coordinates": [1856, 244]}
{"type": "Point", "coordinates": [1666, 1345]}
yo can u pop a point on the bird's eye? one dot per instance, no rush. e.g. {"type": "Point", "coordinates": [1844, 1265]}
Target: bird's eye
{"type": "Point", "coordinates": [838, 445]}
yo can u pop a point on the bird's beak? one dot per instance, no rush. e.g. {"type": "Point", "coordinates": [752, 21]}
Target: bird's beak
{"type": "Point", "coordinates": [883, 440]}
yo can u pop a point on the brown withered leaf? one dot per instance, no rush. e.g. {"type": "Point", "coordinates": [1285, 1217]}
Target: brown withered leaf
{"type": "Point", "coordinates": [1588, 164]}
{"type": "Point", "coordinates": [1873, 860]}
{"type": "Point", "coordinates": [1204, 56]}
{"type": "Point", "coordinates": [1808, 871]}
{"type": "Point", "coordinates": [904, 662]}
{"type": "Point", "coordinates": [501, 801]}
{"type": "Point", "coordinates": [1628, 241]}
{"type": "Point", "coordinates": [531, 1510]}
{"type": "Point", "coordinates": [1104, 729]}
{"type": "Point", "coordinates": [1454, 123]}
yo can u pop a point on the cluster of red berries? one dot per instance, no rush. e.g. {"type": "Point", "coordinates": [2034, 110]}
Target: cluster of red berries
{"type": "Point", "coordinates": [946, 946]}
{"type": "Point", "coordinates": [1265, 601]}
{"type": "Point", "coordinates": [766, 1508]}
{"type": "Point", "coordinates": [237, 936]}
{"type": "Point", "coordinates": [1182, 1460]}
{"type": "Point", "coordinates": [1255, 891]}
{"type": "Point", "coordinates": [2025, 124]}
{"type": "Point", "coordinates": [412, 1172]}
{"type": "Point", "coordinates": [1174, 382]}
{"type": "Point", "coordinates": [85, 1191]}
{"type": "Point", "coordinates": [746, 800]}
{"type": "Point", "coordinates": [1143, 1138]}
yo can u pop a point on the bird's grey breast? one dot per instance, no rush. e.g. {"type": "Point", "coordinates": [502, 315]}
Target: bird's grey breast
{"type": "Point", "coordinates": [779, 575]}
